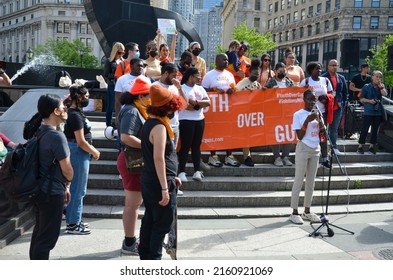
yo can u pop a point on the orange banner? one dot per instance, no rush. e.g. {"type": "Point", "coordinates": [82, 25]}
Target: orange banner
{"type": "Point", "coordinates": [251, 118]}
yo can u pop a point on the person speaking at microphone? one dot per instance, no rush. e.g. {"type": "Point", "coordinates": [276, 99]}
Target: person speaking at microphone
{"type": "Point", "coordinates": [307, 124]}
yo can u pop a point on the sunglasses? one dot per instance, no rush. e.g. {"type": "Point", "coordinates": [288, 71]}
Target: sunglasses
{"type": "Point", "coordinates": [120, 53]}
{"type": "Point", "coordinates": [266, 59]}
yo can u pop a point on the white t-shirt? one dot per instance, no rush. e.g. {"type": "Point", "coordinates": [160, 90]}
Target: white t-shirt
{"type": "Point", "coordinates": [193, 93]}
{"type": "Point", "coordinates": [311, 138]}
{"type": "Point", "coordinates": [281, 84]}
{"type": "Point", "coordinates": [220, 79]}
{"type": "Point", "coordinates": [125, 83]}
{"type": "Point", "coordinates": [175, 120]}
{"type": "Point", "coordinates": [320, 87]}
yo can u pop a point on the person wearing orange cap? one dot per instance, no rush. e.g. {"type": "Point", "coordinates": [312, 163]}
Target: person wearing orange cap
{"type": "Point", "coordinates": [131, 119]}
{"type": "Point", "coordinates": [159, 181]}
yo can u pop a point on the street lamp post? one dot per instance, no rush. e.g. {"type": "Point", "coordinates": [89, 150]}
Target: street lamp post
{"type": "Point", "coordinates": [29, 53]}
{"type": "Point", "coordinates": [81, 52]}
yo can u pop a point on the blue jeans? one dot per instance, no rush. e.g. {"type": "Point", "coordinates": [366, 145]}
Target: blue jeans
{"type": "Point", "coordinates": [110, 102]}
{"type": "Point", "coordinates": [333, 127]}
{"type": "Point", "coordinates": [80, 161]}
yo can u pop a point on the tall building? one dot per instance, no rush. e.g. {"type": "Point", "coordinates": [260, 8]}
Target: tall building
{"type": "Point", "coordinates": [198, 5]}
{"type": "Point", "coordinates": [211, 3]}
{"type": "Point", "coordinates": [28, 23]}
{"type": "Point", "coordinates": [235, 12]}
{"type": "Point", "coordinates": [318, 30]}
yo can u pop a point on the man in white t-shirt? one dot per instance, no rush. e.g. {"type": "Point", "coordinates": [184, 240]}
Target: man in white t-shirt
{"type": "Point", "coordinates": [221, 81]}
{"type": "Point", "coordinates": [125, 82]}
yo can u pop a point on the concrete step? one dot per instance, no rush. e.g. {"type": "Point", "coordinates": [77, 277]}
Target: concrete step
{"type": "Point", "coordinates": [116, 211]}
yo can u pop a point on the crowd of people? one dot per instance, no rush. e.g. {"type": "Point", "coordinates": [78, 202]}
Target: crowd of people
{"type": "Point", "coordinates": [159, 113]}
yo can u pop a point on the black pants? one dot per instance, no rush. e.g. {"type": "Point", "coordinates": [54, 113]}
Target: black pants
{"type": "Point", "coordinates": [374, 121]}
{"type": "Point", "coordinates": [48, 214]}
{"type": "Point", "coordinates": [191, 133]}
{"type": "Point", "coordinates": [156, 222]}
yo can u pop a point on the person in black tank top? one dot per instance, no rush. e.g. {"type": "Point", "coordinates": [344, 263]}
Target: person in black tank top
{"type": "Point", "coordinates": [159, 181]}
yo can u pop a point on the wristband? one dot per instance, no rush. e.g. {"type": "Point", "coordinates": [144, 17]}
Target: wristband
{"type": "Point", "coordinates": [164, 189]}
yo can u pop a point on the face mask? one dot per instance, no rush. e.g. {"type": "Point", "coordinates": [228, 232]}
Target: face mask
{"type": "Point", "coordinates": [171, 115]}
{"type": "Point", "coordinates": [196, 52]}
{"type": "Point", "coordinates": [281, 75]}
{"type": "Point", "coordinates": [253, 78]}
{"type": "Point", "coordinates": [137, 55]}
{"type": "Point", "coordinates": [84, 102]}
{"type": "Point", "coordinates": [153, 53]}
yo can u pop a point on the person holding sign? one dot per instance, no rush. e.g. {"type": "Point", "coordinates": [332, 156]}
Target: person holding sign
{"type": "Point", "coordinates": [307, 125]}
{"type": "Point", "coordinates": [164, 53]}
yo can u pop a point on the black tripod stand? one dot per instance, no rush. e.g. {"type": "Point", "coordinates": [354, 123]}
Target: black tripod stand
{"type": "Point", "coordinates": [324, 217]}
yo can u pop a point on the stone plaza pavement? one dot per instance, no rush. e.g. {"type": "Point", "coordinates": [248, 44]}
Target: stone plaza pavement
{"type": "Point", "coordinates": [235, 239]}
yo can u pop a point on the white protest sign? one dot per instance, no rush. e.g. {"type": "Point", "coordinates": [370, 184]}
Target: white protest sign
{"type": "Point", "coordinates": [166, 26]}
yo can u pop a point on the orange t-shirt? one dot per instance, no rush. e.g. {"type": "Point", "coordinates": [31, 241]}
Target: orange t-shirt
{"type": "Point", "coordinates": [244, 67]}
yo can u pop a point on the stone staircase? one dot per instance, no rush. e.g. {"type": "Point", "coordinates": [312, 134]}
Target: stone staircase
{"type": "Point", "coordinates": [365, 184]}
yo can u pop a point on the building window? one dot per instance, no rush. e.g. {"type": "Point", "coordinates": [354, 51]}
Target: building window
{"type": "Point", "coordinates": [390, 22]}
{"type": "Point", "coordinates": [312, 52]}
{"type": "Point", "coordinates": [302, 14]}
{"type": "Point", "coordinates": [66, 28]}
{"type": "Point", "coordinates": [289, 5]}
{"type": "Point", "coordinates": [296, 2]}
{"type": "Point", "coordinates": [357, 22]}
{"type": "Point", "coordinates": [374, 22]}
{"type": "Point", "coordinates": [244, 3]}
{"type": "Point", "coordinates": [310, 11]}
{"type": "Point", "coordinates": [309, 30]}
{"type": "Point", "coordinates": [293, 34]}
{"type": "Point", "coordinates": [257, 5]}
{"type": "Point", "coordinates": [25, 3]}
{"type": "Point", "coordinates": [358, 3]}
{"type": "Point", "coordinates": [61, 13]}
{"type": "Point", "coordinates": [301, 33]}
{"type": "Point", "coordinates": [288, 19]}
{"type": "Point", "coordinates": [287, 36]}
{"type": "Point", "coordinates": [317, 28]}
{"type": "Point", "coordinates": [275, 22]}
{"type": "Point", "coordinates": [269, 24]}
{"type": "Point", "coordinates": [282, 5]}
{"type": "Point", "coordinates": [295, 16]}
{"type": "Point", "coordinates": [276, 7]}
{"type": "Point", "coordinates": [336, 24]}
{"type": "Point", "coordinates": [89, 42]}
{"type": "Point", "coordinates": [326, 26]}
{"type": "Point", "coordinates": [270, 8]}
{"type": "Point", "coordinates": [82, 28]}
{"type": "Point", "coordinates": [375, 3]}
{"type": "Point", "coordinates": [319, 9]}
{"type": "Point", "coordinates": [257, 22]}
{"type": "Point", "coordinates": [390, 3]}
{"type": "Point", "coordinates": [337, 5]}
{"type": "Point", "coordinates": [280, 37]}
{"type": "Point", "coordinates": [60, 27]}
{"type": "Point", "coordinates": [327, 9]}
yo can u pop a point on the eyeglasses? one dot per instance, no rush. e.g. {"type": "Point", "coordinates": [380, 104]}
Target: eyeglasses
{"type": "Point", "coordinates": [334, 65]}
{"type": "Point", "coordinates": [291, 57]}
{"type": "Point", "coordinates": [266, 59]}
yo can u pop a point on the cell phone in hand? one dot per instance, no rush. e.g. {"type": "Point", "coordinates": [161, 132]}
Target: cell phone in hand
{"type": "Point", "coordinates": [314, 111]}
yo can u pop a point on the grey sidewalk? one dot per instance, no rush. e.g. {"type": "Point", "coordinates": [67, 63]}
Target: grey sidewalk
{"type": "Point", "coordinates": [264, 238]}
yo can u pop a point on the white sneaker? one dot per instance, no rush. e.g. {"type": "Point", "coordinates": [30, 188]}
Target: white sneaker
{"type": "Point", "coordinates": [214, 161]}
{"type": "Point", "coordinates": [278, 162]}
{"type": "Point", "coordinates": [182, 177]}
{"type": "Point", "coordinates": [287, 162]}
{"type": "Point", "coordinates": [179, 192]}
{"type": "Point", "coordinates": [198, 175]}
{"type": "Point", "coordinates": [312, 217]}
{"type": "Point", "coordinates": [231, 161]}
{"type": "Point", "coordinates": [337, 152]}
{"type": "Point", "coordinates": [296, 219]}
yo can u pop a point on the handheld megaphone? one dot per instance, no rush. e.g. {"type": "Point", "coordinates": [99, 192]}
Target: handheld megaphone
{"type": "Point", "coordinates": [110, 132]}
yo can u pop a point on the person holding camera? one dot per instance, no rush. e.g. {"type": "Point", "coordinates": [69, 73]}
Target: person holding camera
{"type": "Point", "coordinates": [371, 97]}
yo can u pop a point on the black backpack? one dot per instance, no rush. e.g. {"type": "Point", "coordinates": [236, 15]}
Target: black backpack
{"type": "Point", "coordinates": [19, 175]}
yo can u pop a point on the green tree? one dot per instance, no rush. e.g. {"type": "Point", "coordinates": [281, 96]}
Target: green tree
{"type": "Point", "coordinates": [259, 43]}
{"type": "Point", "coordinates": [379, 60]}
{"type": "Point", "coordinates": [68, 53]}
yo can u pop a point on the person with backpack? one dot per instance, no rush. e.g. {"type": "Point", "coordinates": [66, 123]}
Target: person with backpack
{"type": "Point", "coordinates": [54, 159]}
{"type": "Point", "coordinates": [78, 133]}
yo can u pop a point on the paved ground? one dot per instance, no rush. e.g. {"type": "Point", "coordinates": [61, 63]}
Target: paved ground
{"type": "Point", "coordinates": [237, 239]}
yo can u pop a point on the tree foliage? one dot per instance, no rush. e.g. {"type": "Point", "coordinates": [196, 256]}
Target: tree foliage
{"type": "Point", "coordinates": [259, 43]}
{"type": "Point", "coordinates": [69, 53]}
{"type": "Point", "coordinates": [379, 60]}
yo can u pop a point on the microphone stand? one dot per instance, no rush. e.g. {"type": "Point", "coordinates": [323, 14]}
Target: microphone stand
{"type": "Point", "coordinates": [324, 218]}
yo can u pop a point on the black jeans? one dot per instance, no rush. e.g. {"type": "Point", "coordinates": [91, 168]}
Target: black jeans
{"type": "Point", "coordinates": [48, 214]}
{"type": "Point", "coordinates": [156, 222]}
{"type": "Point", "coordinates": [374, 121]}
{"type": "Point", "coordinates": [191, 133]}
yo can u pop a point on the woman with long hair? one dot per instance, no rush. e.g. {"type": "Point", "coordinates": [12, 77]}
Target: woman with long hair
{"type": "Point", "coordinates": [80, 140]}
{"type": "Point", "coordinates": [131, 119]}
{"type": "Point", "coordinates": [192, 123]}
{"type": "Point", "coordinates": [57, 173]}
{"type": "Point", "coordinates": [110, 66]}
{"type": "Point", "coordinates": [294, 72]}
{"type": "Point", "coordinates": [198, 62]}
{"type": "Point", "coordinates": [153, 68]}
{"type": "Point", "coordinates": [166, 54]}
{"type": "Point", "coordinates": [265, 71]}
{"type": "Point", "coordinates": [159, 181]}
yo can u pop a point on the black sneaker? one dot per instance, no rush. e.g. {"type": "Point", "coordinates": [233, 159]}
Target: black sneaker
{"type": "Point", "coordinates": [360, 151]}
{"type": "Point", "coordinates": [325, 164]}
{"type": "Point", "coordinates": [77, 229]}
{"type": "Point", "coordinates": [248, 161]}
{"type": "Point", "coordinates": [372, 150]}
